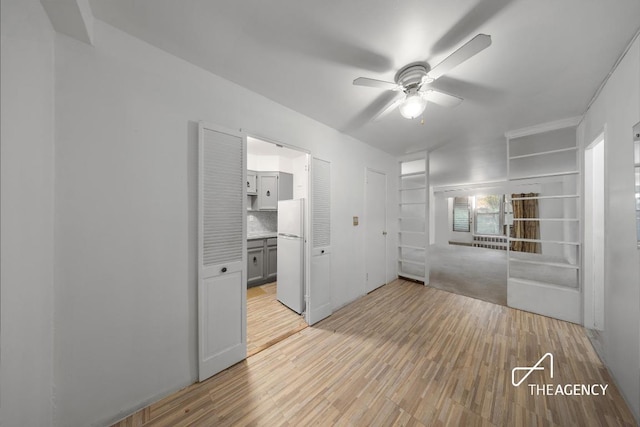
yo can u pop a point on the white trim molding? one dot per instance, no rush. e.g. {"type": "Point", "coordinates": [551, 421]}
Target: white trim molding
{"type": "Point", "coordinates": [544, 127]}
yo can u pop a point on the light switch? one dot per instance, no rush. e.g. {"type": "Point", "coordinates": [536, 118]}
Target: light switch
{"type": "Point", "coordinates": [355, 220]}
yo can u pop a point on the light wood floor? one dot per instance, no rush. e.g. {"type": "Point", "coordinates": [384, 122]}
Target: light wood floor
{"type": "Point", "coordinates": [405, 354]}
{"type": "Point", "coordinates": [268, 321]}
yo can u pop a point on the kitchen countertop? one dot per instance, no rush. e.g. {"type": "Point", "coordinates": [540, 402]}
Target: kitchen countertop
{"type": "Point", "coordinates": [261, 236]}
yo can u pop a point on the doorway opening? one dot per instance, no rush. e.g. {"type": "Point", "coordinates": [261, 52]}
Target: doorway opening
{"type": "Point", "coordinates": [594, 234]}
{"type": "Point", "coordinates": [277, 246]}
{"type": "Point", "coordinates": [469, 251]}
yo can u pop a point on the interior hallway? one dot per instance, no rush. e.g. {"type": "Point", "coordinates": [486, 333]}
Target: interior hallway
{"type": "Point", "coordinates": [405, 354]}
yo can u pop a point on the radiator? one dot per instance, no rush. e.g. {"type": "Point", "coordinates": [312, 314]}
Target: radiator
{"type": "Point", "coordinates": [490, 242]}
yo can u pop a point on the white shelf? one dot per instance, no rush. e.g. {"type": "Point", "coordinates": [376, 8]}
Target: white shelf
{"type": "Point", "coordinates": [543, 284]}
{"type": "Point", "coordinates": [413, 174]}
{"type": "Point", "coordinates": [410, 261]}
{"type": "Point", "coordinates": [546, 219]}
{"type": "Point", "coordinates": [547, 263]}
{"type": "Point", "coordinates": [416, 188]}
{"type": "Point", "coordinates": [543, 153]}
{"type": "Point", "coordinates": [561, 196]}
{"type": "Point", "coordinates": [560, 242]}
{"type": "Point", "coordinates": [418, 248]}
{"type": "Point", "coordinates": [545, 175]}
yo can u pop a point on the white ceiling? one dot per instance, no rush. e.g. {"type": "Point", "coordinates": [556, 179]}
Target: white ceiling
{"type": "Point", "coordinates": [546, 61]}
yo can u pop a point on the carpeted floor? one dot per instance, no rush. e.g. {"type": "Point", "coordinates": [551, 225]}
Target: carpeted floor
{"type": "Point", "coordinates": [474, 272]}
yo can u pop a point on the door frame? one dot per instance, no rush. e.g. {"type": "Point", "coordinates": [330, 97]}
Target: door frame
{"type": "Point", "coordinates": [593, 317]}
{"type": "Point", "coordinates": [368, 169]}
{"type": "Point", "coordinates": [307, 209]}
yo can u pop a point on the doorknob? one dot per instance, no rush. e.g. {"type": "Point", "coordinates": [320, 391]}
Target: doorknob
{"type": "Point", "coordinates": [384, 233]}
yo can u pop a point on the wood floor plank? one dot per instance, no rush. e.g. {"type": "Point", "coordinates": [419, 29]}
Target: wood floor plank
{"type": "Point", "coordinates": [405, 354]}
{"type": "Point", "coordinates": [268, 320]}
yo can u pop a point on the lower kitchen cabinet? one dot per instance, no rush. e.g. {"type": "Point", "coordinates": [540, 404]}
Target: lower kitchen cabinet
{"type": "Point", "coordinates": [262, 261]}
{"type": "Point", "coordinates": [271, 265]}
{"type": "Point", "coordinates": [255, 266]}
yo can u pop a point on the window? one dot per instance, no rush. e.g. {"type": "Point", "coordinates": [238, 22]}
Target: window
{"type": "Point", "coordinates": [461, 214]}
{"type": "Point", "coordinates": [488, 214]}
{"type": "Point", "coordinates": [486, 211]}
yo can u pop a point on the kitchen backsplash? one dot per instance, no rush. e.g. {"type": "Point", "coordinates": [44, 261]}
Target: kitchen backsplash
{"type": "Point", "coordinates": [261, 222]}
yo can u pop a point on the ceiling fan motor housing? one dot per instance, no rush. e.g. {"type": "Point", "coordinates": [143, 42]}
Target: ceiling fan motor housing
{"type": "Point", "coordinates": [411, 76]}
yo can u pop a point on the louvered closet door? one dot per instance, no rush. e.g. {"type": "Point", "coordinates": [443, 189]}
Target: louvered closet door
{"type": "Point", "coordinates": [319, 290]}
{"type": "Point", "coordinates": [221, 250]}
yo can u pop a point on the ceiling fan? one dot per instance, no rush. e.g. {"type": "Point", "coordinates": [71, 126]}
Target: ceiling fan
{"type": "Point", "coordinates": [412, 81]}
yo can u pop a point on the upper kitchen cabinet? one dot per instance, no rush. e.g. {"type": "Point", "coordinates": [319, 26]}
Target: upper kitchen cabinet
{"type": "Point", "coordinates": [252, 183]}
{"type": "Point", "coordinates": [273, 186]}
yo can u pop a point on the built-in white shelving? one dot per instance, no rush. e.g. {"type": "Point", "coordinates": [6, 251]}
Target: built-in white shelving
{"type": "Point", "coordinates": [413, 218]}
{"type": "Point", "coordinates": [543, 167]}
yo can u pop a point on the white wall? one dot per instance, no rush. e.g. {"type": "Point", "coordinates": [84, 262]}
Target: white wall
{"type": "Point", "coordinates": [440, 219]}
{"type": "Point", "coordinates": [618, 108]}
{"type": "Point", "coordinates": [300, 177]}
{"type": "Point", "coordinates": [126, 215]}
{"type": "Point", "coordinates": [269, 163]}
{"type": "Point", "coordinates": [26, 228]}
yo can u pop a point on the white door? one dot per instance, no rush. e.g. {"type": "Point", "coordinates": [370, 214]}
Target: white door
{"type": "Point", "coordinates": [222, 249]}
{"type": "Point", "coordinates": [319, 286]}
{"type": "Point", "coordinates": [375, 224]}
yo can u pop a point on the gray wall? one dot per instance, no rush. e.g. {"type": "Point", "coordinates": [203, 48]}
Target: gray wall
{"type": "Point", "coordinates": [615, 111]}
{"type": "Point", "coordinates": [27, 144]}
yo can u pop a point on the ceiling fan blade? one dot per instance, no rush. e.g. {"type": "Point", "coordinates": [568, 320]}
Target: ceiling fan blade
{"type": "Point", "coordinates": [364, 81]}
{"type": "Point", "coordinates": [441, 98]}
{"type": "Point", "coordinates": [472, 47]}
{"type": "Point", "coordinates": [397, 100]}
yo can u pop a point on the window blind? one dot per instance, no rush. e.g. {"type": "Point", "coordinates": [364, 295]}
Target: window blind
{"type": "Point", "coordinates": [461, 214]}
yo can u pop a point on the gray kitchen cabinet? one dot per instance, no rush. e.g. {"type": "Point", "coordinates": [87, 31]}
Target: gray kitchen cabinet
{"type": "Point", "coordinates": [272, 259]}
{"type": "Point", "coordinates": [255, 262]}
{"type": "Point", "coordinates": [262, 261]}
{"type": "Point", "coordinates": [252, 183]}
{"type": "Point", "coordinates": [272, 187]}
{"type": "Point", "coordinates": [267, 191]}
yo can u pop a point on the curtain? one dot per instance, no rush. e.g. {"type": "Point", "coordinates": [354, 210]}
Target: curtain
{"type": "Point", "coordinates": [525, 229]}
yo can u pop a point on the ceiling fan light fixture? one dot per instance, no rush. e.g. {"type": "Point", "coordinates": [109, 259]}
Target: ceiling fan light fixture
{"type": "Point", "coordinates": [412, 106]}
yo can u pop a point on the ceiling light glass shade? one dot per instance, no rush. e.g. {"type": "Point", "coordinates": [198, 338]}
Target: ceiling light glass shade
{"type": "Point", "coordinates": [413, 106]}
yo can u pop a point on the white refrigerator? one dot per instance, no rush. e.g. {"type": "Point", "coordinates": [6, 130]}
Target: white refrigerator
{"type": "Point", "coordinates": [290, 287]}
